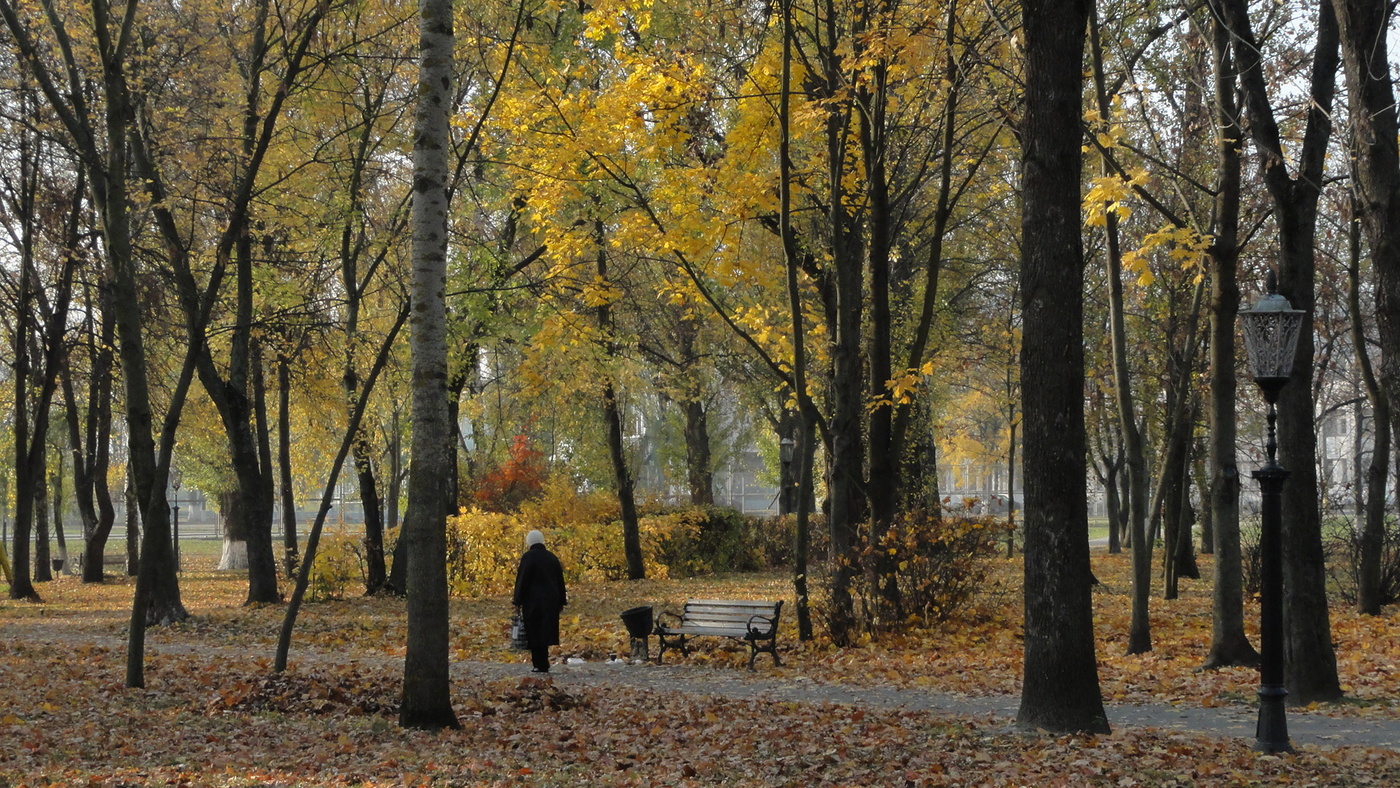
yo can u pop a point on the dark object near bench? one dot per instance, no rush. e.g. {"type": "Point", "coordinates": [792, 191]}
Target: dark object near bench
{"type": "Point", "coordinates": [753, 622]}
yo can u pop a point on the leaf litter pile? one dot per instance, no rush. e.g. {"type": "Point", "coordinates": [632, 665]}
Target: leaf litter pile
{"type": "Point", "coordinates": [214, 713]}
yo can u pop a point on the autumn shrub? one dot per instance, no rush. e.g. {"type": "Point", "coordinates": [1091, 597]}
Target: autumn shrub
{"type": "Point", "coordinates": [774, 539]}
{"type": "Point", "coordinates": [923, 570]}
{"type": "Point", "coordinates": [483, 548]}
{"type": "Point", "coordinates": [339, 566]}
{"type": "Point", "coordinates": [561, 504]}
{"type": "Point", "coordinates": [1342, 546]}
{"type": "Point", "coordinates": [706, 539]}
{"type": "Point", "coordinates": [519, 478]}
{"type": "Point", "coordinates": [584, 528]}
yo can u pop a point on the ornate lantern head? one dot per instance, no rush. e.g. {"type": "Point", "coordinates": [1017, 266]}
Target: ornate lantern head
{"type": "Point", "coordinates": [1271, 330]}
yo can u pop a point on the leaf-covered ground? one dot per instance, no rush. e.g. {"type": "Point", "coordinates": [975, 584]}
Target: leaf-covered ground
{"type": "Point", "coordinates": [214, 714]}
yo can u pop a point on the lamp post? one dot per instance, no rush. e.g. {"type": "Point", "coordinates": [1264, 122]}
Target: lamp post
{"type": "Point", "coordinates": [175, 478]}
{"type": "Point", "coordinates": [1271, 331]}
{"type": "Point", "coordinates": [787, 498]}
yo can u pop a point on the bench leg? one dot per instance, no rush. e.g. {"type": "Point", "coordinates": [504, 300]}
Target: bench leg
{"type": "Point", "coordinates": [771, 649]}
{"type": "Point", "coordinates": [677, 642]}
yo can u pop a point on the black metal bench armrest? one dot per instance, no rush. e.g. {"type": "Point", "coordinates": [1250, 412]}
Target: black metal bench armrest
{"type": "Point", "coordinates": [768, 630]}
{"type": "Point", "coordinates": [661, 621]}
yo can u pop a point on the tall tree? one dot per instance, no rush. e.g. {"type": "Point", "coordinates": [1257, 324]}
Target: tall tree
{"type": "Point", "coordinates": [613, 416]}
{"type": "Point", "coordinates": [99, 134]}
{"type": "Point", "coordinates": [1061, 688]}
{"type": "Point", "coordinates": [274, 48]}
{"type": "Point", "coordinates": [1228, 646]}
{"type": "Point", "coordinates": [90, 432]}
{"type": "Point", "coordinates": [1372, 530]}
{"type": "Point", "coordinates": [1309, 659]}
{"type": "Point", "coordinates": [803, 433]}
{"type": "Point", "coordinates": [427, 700]}
{"type": "Point", "coordinates": [1365, 27]}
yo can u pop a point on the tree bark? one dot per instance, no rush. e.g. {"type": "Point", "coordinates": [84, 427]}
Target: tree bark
{"type": "Point", "coordinates": [234, 556]}
{"type": "Point", "coordinates": [882, 468]}
{"type": "Point", "coordinates": [427, 694]}
{"type": "Point", "coordinates": [290, 549]}
{"type": "Point", "coordinates": [698, 462]}
{"type": "Point", "coordinates": [1372, 536]}
{"type": "Point", "coordinates": [89, 435]}
{"type": "Point", "coordinates": [57, 498]}
{"type": "Point", "coordinates": [612, 417]}
{"type": "Point", "coordinates": [1309, 658]}
{"type": "Point", "coordinates": [1228, 646]}
{"type": "Point", "coordinates": [43, 568]}
{"type": "Point", "coordinates": [375, 577]}
{"type": "Point", "coordinates": [1140, 626]}
{"type": "Point", "coordinates": [801, 432]}
{"type": "Point", "coordinates": [1060, 692]}
{"type": "Point", "coordinates": [1364, 29]}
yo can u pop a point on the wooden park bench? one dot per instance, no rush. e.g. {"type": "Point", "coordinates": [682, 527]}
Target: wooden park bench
{"type": "Point", "coordinates": [110, 563]}
{"type": "Point", "coordinates": [756, 623]}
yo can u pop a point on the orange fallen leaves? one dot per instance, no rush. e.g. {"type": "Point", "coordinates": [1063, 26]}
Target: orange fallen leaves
{"type": "Point", "coordinates": [214, 714]}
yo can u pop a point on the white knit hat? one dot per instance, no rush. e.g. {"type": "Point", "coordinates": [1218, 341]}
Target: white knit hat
{"type": "Point", "coordinates": [533, 538]}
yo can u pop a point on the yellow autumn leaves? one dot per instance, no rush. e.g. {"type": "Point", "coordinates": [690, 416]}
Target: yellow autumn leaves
{"type": "Point", "coordinates": [1111, 195]}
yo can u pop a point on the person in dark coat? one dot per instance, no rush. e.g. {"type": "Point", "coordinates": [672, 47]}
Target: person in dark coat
{"type": "Point", "coordinates": [539, 598]}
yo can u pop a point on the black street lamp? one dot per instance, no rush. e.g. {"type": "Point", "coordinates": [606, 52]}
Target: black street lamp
{"type": "Point", "coordinates": [1271, 331]}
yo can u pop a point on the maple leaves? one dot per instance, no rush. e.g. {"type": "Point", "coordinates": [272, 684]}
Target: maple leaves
{"type": "Point", "coordinates": [521, 477]}
{"type": "Point", "coordinates": [342, 689]}
{"type": "Point", "coordinates": [215, 716]}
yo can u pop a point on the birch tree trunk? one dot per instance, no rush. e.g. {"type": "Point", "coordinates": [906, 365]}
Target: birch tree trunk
{"type": "Point", "coordinates": [427, 700]}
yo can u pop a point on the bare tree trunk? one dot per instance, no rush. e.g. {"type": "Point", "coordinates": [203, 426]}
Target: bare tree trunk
{"type": "Point", "coordinates": [234, 556]}
{"type": "Point", "coordinates": [1228, 646]}
{"type": "Point", "coordinates": [698, 460]}
{"type": "Point", "coordinates": [43, 569]}
{"type": "Point", "coordinates": [1140, 627]}
{"type": "Point", "coordinates": [803, 434]}
{"type": "Point", "coordinates": [133, 527]}
{"type": "Point", "coordinates": [89, 435]}
{"type": "Point", "coordinates": [612, 416]}
{"type": "Point", "coordinates": [427, 693]}
{"type": "Point", "coordinates": [1201, 479]}
{"type": "Point", "coordinates": [1372, 542]}
{"type": "Point", "coordinates": [1060, 692]}
{"type": "Point", "coordinates": [1309, 658]}
{"type": "Point", "coordinates": [284, 466]}
{"type": "Point", "coordinates": [1364, 32]}
{"type": "Point", "coordinates": [61, 563]}
{"type": "Point", "coordinates": [622, 478]}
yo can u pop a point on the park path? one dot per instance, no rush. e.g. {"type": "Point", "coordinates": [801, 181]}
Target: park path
{"type": "Point", "coordinates": [998, 711]}
{"type": "Point", "coordinates": [784, 686]}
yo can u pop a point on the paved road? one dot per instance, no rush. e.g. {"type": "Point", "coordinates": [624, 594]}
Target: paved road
{"type": "Point", "coordinates": [1231, 721]}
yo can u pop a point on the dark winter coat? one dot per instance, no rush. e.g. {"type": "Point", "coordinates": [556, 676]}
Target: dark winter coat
{"type": "Point", "coordinates": [540, 594]}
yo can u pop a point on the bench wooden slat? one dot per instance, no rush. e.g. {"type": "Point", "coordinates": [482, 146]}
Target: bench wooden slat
{"type": "Point", "coordinates": [749, 620]}
{"type": "Point", "coordinates": [694, 608]}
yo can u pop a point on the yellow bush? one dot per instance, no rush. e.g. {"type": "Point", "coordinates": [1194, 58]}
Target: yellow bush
{"type": "Point", "coordinates": [562, 506]}
{"type": "Point", "coordinates": [339, 562]}
{"type": "Point", "coordinates": [585, 531]}
{"type": "Point", "coordinates": [482, 551]}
